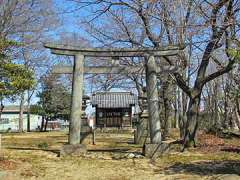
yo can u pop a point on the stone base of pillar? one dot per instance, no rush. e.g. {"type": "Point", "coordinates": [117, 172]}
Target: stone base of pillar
{"type": "Point", "coordinates": [73, 150]}
{"type": "Point", "coordinates": [156, 150]}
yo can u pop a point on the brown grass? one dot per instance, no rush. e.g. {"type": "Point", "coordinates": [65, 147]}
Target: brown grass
{"type": "Point", "coordinates": [25, 159]}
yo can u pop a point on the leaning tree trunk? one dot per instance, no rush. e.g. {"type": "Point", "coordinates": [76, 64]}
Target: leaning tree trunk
{"type": "Point", "coordinates": [192, 123]}
{"type": "Point", "coordinates": [20, 128]}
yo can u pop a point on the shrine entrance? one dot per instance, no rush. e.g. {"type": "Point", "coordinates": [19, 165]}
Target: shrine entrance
{"type": "Point", "coordinates": [151, 71]}
{"type": "Point", "coordinates": [113, 109]}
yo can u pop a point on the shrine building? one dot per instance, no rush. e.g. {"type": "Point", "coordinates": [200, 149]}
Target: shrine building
{"type": "Point", "coordinates": [114, 109]}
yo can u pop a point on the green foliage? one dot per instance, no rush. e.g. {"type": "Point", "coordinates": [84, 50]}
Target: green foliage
{"type": "Point", "coordinates": [235, 53]}
{"type": "Point", "coordinates": [37, 109]}
{"type": "Point", "coordinates": [6, 44]}
{"type": "Point", "coordinates": [43, 145]}
{"type": "Point", "coordinates": [14, 78]}
{"type": "Point", "coordinates": [55, 98]}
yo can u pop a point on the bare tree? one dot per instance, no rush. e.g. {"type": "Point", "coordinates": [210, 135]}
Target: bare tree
{"type": "Point", "coordinates": [27, 22]}
{"type": "Point", "coordinates": [207, 27]}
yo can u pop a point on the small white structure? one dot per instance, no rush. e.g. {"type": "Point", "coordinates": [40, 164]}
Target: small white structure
{"type": "Point", "coordinates": [57, 124]}
{"type": "Point", "coordinates": [10, 119]}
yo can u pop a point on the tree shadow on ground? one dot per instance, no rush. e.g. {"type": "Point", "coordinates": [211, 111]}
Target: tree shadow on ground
{"type": "Point", "coordinates": [55, 151]}
{"type": "Point", "coordinates": [111, 150]}
{"type": "Point", "coordinates": [206, 168]}
{"type": "Point", "coordinates": [231, 149]}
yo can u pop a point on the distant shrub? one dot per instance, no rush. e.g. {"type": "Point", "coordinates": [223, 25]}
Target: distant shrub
{"type": "Point", "coordinates": [43, 145]}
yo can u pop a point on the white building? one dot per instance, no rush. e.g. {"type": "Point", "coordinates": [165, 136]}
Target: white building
{"type": "Point", "coordinates": [10, 119]}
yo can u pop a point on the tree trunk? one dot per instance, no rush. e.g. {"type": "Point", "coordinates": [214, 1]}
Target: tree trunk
{"type": "Point", "coordinates": [1, 108]}
{"type": "Point", "coordinates": [176, 115]}
{"type": "Point", "coordinates": [28, 112]}
{"type": "Point", "coordinates": [20, 128]}
{"type": "Point", "coordinates": [176, 111]}
{"type": "Point", "coordinates": [216, 111]}
{"type": "Point", "coordinates": [192, 123]}
{"type": "Point", "coordinates": [237, 119]}
{"type": "Point", "coordinates": [182, 114]}
{"type": "Point", "coordinates": [166, 123]}
{"type": "Point", "coordinates": [165, 105]}
{"type": "Point", "coordinates": [225, 123]}
{"type": "Point", "coordinates": [42, 124]}
{"type": "Point", "coordinates": [46, 123]}
{"type": "Point", "coordinates": [140, 94]}
{"type": "Point", "coordinates": [237, 112]}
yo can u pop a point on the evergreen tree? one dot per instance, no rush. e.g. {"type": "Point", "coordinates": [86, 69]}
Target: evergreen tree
{"type": "Point", "coordinates": [14, 78]}
{"type": "Point", "coordinates": [54, 99]}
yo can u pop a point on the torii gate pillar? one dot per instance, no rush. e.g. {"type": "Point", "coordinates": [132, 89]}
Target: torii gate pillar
{"type": "Point", "coordinates": [76, 104]}
{"type": "Point", "coordinates": [152, 99]}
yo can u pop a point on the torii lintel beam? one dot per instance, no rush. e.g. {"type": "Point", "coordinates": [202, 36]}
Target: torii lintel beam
{"type": "Point", "coordinates": [112, 70]}
{"type": "Point", "coordinates": [113, 52]}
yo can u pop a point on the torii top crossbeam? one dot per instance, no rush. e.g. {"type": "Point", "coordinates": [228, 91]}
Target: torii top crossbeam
{"type": "Point", "coordinates": [71, 50]}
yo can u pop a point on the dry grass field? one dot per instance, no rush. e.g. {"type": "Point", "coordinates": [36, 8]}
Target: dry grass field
{"type": "Point", "coordinates": [35, 156]}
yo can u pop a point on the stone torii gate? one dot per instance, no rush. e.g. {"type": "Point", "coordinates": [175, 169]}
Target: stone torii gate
{"type": "Point", "coordinates": [78, 70]}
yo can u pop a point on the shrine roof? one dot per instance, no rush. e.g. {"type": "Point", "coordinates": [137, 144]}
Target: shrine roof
{"type": "Point", "coordinates": [113, 99]}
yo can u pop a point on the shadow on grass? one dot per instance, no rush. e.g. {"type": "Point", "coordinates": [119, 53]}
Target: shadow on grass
{"type": "Point", "coordinates": [111, 150]}
{"type": "Point", "coordinates": [35, 149]}
{"type": "Point", "coordinates": [206, 168]}
{"type": "Point", "coordinates": [231, 149]}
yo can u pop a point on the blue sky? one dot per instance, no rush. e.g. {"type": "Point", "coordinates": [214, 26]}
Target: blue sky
{"type": "Point", "coordinates": [69, 23]}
